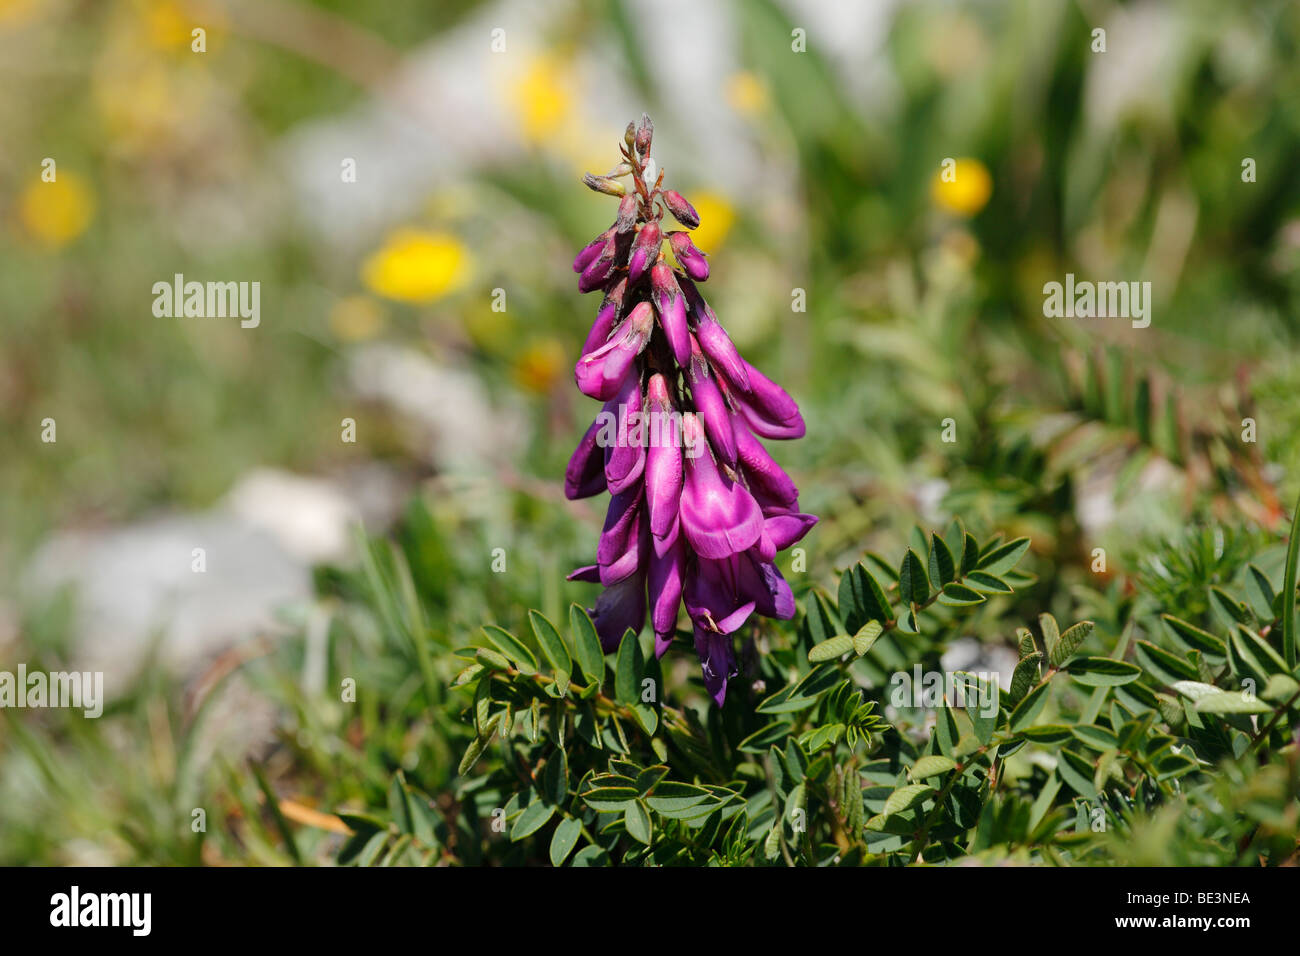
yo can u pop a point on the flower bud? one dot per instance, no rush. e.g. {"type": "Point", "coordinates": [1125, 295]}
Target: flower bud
{"type": "Point", "coordinates": [602, 267]}
{"type": "Point", "coordinates": [629, 135]}
{"type": "Point", "coordinates": [682, 211]}
{"type": "Point", "coordinates": [671, 305]}
{"type": "Point", "coordinates": [645, 250]}
{"type": "Point", "coordinates": [603, 184]}
{"type": "Point", "coordinates": [591, 250]}
{"type": "Point", "coordinates": [644, 134]}
{"type": "Point", "coordinates": [691, 258]}
{"type": "Point", "coordinates": [627, 210]}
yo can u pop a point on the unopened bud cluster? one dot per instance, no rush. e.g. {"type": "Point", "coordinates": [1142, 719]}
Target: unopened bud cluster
{"type": "Point", "coordinates": [697, 512]}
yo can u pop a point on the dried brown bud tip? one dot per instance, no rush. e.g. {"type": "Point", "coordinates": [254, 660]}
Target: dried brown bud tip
{"type": "Point", "coordinates": [627, 215]}
{"type": "Point", "coordinates": [603, 184]}
{"type": "Point", "coordinates": [644, 134]}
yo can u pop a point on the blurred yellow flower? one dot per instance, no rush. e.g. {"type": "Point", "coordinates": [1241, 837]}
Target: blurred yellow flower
{"type": "Point", "coordinates": [962, 187]}
{"type": "Point", "coordinates": [166, 25]}
{"type": "Point", "coordinates": [746, 93]}
{"type": "Point", "coordinates": [716, 218]}
{"type": "Point", "coordinates": [541, 365]}
{"type": "Point", "coordinates": [16, 11]}
{"type": "Point", "coordinates": [356, 318]}
{"type": "Point", "coordinates": [542, 97]}
{"type": "Point", "coordinates": [57, 212]}
{"type": "Point", "coordinates": [417, 266]}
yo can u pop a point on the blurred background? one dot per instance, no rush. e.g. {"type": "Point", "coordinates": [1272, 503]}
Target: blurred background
{"type": "Point", "coordinates": [402, 179]}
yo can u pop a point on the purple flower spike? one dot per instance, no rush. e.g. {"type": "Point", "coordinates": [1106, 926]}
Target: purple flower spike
{"type": "Point", "coordinates": [699, 510]}
{"type": "Point", "coordinates": [671, 305]}
{"type": "Point", "coordinates": [719, 517]}
{"type": "Point", "coordinates": [663, 467]}
{"type": "Point", "coordinates": [692, 260]}
{"type": "Point", "coordinates": [645, 251]}
{"type": "Point", "coordinates": [768, 408]}
{"type": "Point", "coordinates": [600, 374]}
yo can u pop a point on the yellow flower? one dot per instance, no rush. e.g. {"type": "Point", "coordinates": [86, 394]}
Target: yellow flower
{"type": "Point", "coordinates": [716, 218]}
{"type": "Point", "coordinates": [417, 266]}
{"type": "Point", "coordinates": [166, 26]}
{"type": "Point", "coordinates": [542, 98]}
{"type": "Point", "coordinates": [57, 212]}
{"type": "Point", "coordinates": [962, 188]}
{"type": "Point", "coordinates": [356, 318]}
{"type": "Point", "coordinates": [746, 93]}
{"type": "Point", "coordinates": [541, 365]}
{"type": "Point", "coordinates": [15, 12]}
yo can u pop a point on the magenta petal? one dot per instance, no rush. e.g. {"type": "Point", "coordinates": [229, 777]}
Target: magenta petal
{"type": "Point", "coordinates": [768, 408]}
{"type": "Point", "coordinates": [665, 578]}
{"type": "Point", "coordinates": [645, 251]}
{"type": "Point", "coordinates": [671, 306]}
{"type": "Point", "coordinates": [712, 408]}
{"type": "Point", "coordinates": [585, 475]}
{"type": "Point", "coordinates": [606, 318]}
{"type": "Point", "coordinates": [625, 456]}
{"type": "Point", "coordinates": [786, 529]}
{"type": "Point", "coordinates": [719, 517]}
{"type": "Point", "coordinates": [590, 251]}
{"type": "Point", "coordinates": [770, 485]}
{"type": "Point", "coordinates": [713, 596]}
{"type": "Point", "coordinates": [725, 357]}
{"type": "Point", "coordinates": [771, 592]}
{"type": "Point", "coordinates": [619, 550]}
{"type": "Point", "coordinates": [663, 481]}
{"type": "Point", "coordinates": [603, 373]}
{"type": "Point", "coordinates": [589, 573]}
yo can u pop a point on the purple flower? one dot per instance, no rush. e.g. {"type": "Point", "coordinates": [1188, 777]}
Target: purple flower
{"type": "Point", "coordinates": [671, 305]}
{"type": "Point", "coordinates": [600, 374]}
{"type": "Point", "coordinates": [663, 467]}
{"type": "Point", "coordinates": [719, 517]}
{"type": "Point", "coordinates": [768, 408]}
{"type": "Point", "coordinates": [698, 508]}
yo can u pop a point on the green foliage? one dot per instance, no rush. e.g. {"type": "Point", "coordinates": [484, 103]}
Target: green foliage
{"type": "Point", "coordinates": [1110, 733]}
